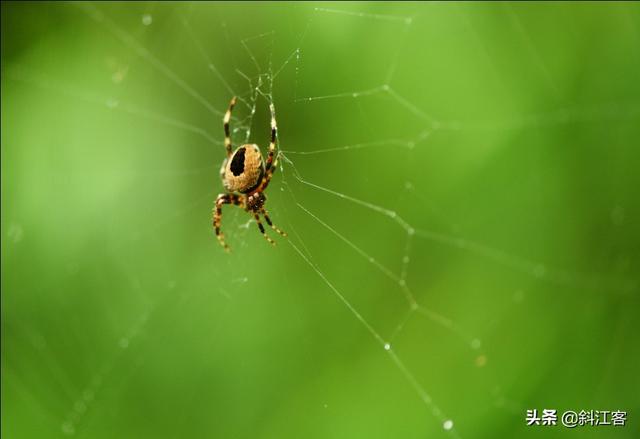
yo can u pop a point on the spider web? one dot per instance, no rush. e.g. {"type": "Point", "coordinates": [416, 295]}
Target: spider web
{"type": "Point", "coordinates": [360, 229]}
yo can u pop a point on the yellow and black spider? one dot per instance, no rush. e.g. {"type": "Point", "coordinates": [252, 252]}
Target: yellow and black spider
{"type": "Point", "coordinates": [245, 178]}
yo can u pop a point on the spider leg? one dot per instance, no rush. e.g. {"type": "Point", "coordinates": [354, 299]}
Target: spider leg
{"type": "Point", "coordinates": [261, 227]}
{"type": "Point", "coordinates": [217, 215]}
{"type": "Point", "coordinates": [227, 130]}
{"type": "Point", "coordinates": [266, 217]}
{"type": "Point", "coordinates": [272, 157]}
{"type": "Point", "coordinates": [266, 179]}
{"type": "Point", "coordinates": [272, 144]}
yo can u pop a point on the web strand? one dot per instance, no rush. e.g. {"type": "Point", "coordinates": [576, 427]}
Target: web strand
{"type": "Point", "coordinates": [533, 269]}
{"type": "Point", "coordinates": [20, 74]}
{"type": "Point", "coordinates": [211, 66]}
{"type": "Point", "coordinates": [383, 17]}
{"type": "Point", "coordinates": [424, 396]}
{"type": "Point", "coordinates": [95, 14]}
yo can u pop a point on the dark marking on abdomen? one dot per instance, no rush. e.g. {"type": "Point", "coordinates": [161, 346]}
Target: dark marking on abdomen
{"type": "Point", "coordinates": [237, 163]}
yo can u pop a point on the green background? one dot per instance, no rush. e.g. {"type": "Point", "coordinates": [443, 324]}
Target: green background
{"type": "Point", "coordinates": [123, 317]}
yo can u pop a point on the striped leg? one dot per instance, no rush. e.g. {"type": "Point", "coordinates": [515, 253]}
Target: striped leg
{"type": "Point", "coordinates": [217, 215]}
{"type": "Point", "coordinates": [272, 157]}
{"type": "Point", "coordinates": [272, 144]}
{"type": "Point", "coordinates": [261, 227]}
{"type": "Point", "coordinates": [266, 217]}
{"type": "Point", "coordinates": [227, 130]}
{"type": "Point", "coordinates": [267, 177]}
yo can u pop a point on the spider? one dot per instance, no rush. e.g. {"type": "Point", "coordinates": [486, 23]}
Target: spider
{"type": "Point", "coordinates": [245, 178]}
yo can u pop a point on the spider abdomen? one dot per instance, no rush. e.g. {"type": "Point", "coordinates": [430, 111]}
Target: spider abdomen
{"type": "Point", "coordinates": [243, 172]}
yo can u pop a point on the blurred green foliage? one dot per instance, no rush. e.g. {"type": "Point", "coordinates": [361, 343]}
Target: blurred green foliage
{"type": "Point", "coordinates": [122, 317]}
